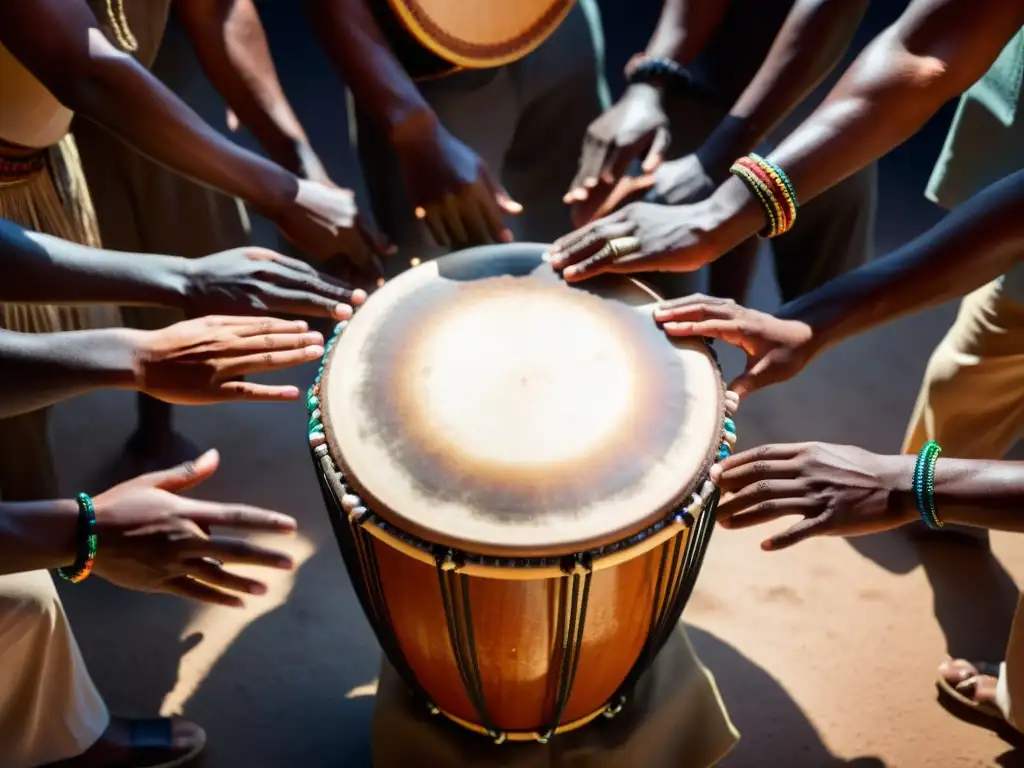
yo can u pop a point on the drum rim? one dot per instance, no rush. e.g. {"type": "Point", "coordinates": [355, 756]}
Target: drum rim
{"type": "Point", "coordinates": [469, 55]}
{"type": "Point", "coordinates": [410, 528]}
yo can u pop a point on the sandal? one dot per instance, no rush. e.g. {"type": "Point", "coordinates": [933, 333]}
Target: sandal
{"type": "Point", "coordinates": [148, 743]}
{"type": "Point", "coordinates": [962, 692]}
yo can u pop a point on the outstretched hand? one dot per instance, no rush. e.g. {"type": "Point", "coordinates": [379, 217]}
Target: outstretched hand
{"type": "Point", "coordinates": [153, 540]}
{"type": "Point", "coordinates": [198, 362]}
{"type": "Point", "coordinates": [838, 490]}
{"type": "Point", "coordinates": [776, 349]}
{"type": "Point", "coordinates": [257, 281]}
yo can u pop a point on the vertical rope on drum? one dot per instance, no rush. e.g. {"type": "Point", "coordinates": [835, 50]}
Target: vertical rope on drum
{"type": "Point", "coordinates": [470, 677]}
{"type": "Point", "coordinates": [661, 613]}
{"type": "Point", "coordinates": [351, 546]}
{"type": "Point", "coordinates": [572, 641]}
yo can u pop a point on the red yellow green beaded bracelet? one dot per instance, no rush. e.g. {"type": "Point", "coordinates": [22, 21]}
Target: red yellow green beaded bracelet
{"type": "Point", "coordinates": [773, 189]}
{"type": "Point", "coordinates": [86, 540]}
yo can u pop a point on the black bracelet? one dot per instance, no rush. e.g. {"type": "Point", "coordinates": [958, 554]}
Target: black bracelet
{"type": "Point", "coordinates": [86, 542]}
{"type": "Point", "coordinates": [642, 69]}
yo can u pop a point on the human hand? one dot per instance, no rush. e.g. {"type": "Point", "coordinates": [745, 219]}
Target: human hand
{"type": "Point", "coordinates": [634, 126]}
{"type": "Point", "coordinates": [323, 221]}
{"type": "Point", "coordinates": [453, 192]}
{"type": "Point", "coordinates": [201, 361]}
{"type": "Point", "coordinates": [839, 490]}
{"type": "Point", "coordinates": [257, 281]}
{"type": "Point", "coordinates": [152, 540]}
{"type": "Point", "coordinates": [677, 182]}
{"type": "Point", "coordinates": [642, 237]}
{"type": "Point", "coordinates": [776, 349]}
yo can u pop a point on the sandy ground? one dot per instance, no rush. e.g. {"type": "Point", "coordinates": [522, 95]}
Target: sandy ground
{"type": "Point", "coordinates": [826, 654]}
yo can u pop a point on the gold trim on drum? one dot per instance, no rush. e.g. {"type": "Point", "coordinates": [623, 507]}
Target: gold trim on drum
{"type": "Point", "coordinates": [520, 736]}
{"type": "Point", "coordinates": [469, 55]}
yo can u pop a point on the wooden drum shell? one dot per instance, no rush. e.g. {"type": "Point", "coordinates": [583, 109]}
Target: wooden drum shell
{"type": "Point", "coordinates": [518, 619]}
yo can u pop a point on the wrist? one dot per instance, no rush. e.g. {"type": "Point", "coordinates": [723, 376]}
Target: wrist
{"type": "Point", "coordinates": [413, 129]}
{"type": "Point", "coordinates": [276, 190]}
{"type": "Point", "coordinates": [122, 354]}
{"type": "Point", "coordinates": [731, 215]}
{"type": "Point", "coordinates": [46, 531]}
{"type": "Point", "coordinates": [733, 138]}
{"type": "Point", "coordinates": [897, 474]}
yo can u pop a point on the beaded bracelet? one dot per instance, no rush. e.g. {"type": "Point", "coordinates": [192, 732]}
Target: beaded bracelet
{"type": "Point", "coordinates": [772, 188]}
{"type": "Point", "coordinates": [86, 536]}
{"type": "Point", "coordinates": [924, 484]}
{"type": "Point", "coordinates": [643, 69]}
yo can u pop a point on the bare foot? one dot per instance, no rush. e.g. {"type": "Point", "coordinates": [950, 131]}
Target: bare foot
{"type": "Point", "coordinates": [147, 743]}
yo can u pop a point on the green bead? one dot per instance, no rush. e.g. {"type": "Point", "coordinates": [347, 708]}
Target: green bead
{"type": "Point", "coordinates": [315, 424]}
{"type": "Point", "coordinates": [730, 426]}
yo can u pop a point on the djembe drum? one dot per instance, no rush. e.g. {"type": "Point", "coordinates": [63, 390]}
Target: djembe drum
{"type": "Point", "coordinates": [517, 474]}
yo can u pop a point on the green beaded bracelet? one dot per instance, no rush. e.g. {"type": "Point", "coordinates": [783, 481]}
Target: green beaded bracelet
{"type": "Point", "coordinates": [924, 484]}
{"type": "Point", "coordinates": [86, 536]}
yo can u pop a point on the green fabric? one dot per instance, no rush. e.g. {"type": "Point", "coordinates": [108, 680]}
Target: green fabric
{"type": "Point", "coordinates": [986, 140]}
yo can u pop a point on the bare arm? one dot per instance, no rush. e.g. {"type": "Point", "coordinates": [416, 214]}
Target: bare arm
{"type": "Point", "coordinates": [931, 54]}
{"type": "Point", "coordinates": [685, 28]}
{"type": "Point", "coordinates": [981, 494]}
{"type": "Point", "coordinates": [40, 369]}
{"type": "Point", "coordinates": [37, 536]}
{"type": "Point", "coordinates": [39, 268]}
{"type": "Point", "coordinates": [977, 242]}
{"type": "Point", "coordinates": [810, 43]}
{"type": "Point", "coordinates": [231, 44]}
{"type": "Point", "coordinates": [59, 41]}
{"type": "Point", "coordinates": [356, 46]}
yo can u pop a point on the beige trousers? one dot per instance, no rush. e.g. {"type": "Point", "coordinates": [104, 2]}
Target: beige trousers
{"type": "Point", "coordinates": [972, 403]}
{"type": "Point", "coordinates": [49, 708]}
{"type": "Point", "coordinates": [675, 720]}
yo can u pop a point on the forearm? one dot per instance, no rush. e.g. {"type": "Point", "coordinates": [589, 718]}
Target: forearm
{"type": "Point", "coordinates": [810, 43]}
{"type": "Point", "coordinates": [60, 43]}
{"type": "Point", "coordinates": [931, 54]}
{"type": "Point", "coordinates": [685, 28]}
{"type": "Point", "coordinates": [37, 536]}
{"type": "Point", "coordinates": [977, 242]}
{"type": "Point", "coordinates": [982, 494]}
{"type": "Point", "coordinates": [40, 369]}
{"type": "Point", "coordinates": [43, 269]}
{"type": "Point", "coordinates": [356, 46]}
{"type": "Point", "coordinates": [232, 48]}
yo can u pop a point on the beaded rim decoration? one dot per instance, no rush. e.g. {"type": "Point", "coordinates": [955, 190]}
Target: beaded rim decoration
{"type": "Point", "coordinates": [684, 513]}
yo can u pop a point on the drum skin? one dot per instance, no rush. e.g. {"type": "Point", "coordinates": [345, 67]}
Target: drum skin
{"type": "Point", "coordinates": [515, 641]}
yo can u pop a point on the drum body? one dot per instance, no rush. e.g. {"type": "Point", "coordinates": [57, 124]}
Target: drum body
{"type": "Point", "coordinates": [519, 583]}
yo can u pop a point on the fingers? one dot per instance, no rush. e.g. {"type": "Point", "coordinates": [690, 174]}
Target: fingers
{"type": "Point", "coordinates": [241, 552]}
{"type": "Point", "coordinates": [726, 330]}
{"type": "Point", "coordinates": [740, 477]}
{"type": "Point", "coordinates": [312, 303]}
{"type": "Point", "coordinates": [804, 529]}
{"type": "Point", "coordinates": [376, 240]}
{"type": "Point", "coordinates": [451, 207]}
{"type": "Point", "coordinates": [212, 574]}
{"type": "Point", "coordinates": [766, 495]}
{"type": "Point", "coordinates": [501, 197]}
{"type": "Point", "coordinates": [265, 254]}
{"type": "Point", "coordinates": [696, 306]}
{"type": "Point", "coordinates": [182, 477]}
{"type": "Point", "coordinates": [238, 516]}
{"type": "Point", "coordinates": [584, 244]}
{"type": "Point", "coordinates": [488, 206]}
{"type": "Point", "coordinates": [267, 361]}
{"type": "Point", "coordinates": [656, 154]}
{"type": "Point", "coordinates": [232, 391]}
{"type": "Point", "coordinates": [189, 588]}
{"type": "Point", "coordinates": [270, 341]}
{"type": "Point", "coordinates": [431, 216]}
{"type": "Point", "coordinates": [591, 162]}
{"type": "Point", "coordinates": [254, 326]}
{"type": "Point", "coordinates": [764, 453]}
{"type": "Point", "coordinates": [767, 511]}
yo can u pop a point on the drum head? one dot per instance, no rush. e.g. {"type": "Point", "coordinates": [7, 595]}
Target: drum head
{"type": "Point", "coordinates": [480, 402]}
{"type": "Point", "coordinates": [481, 33]}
